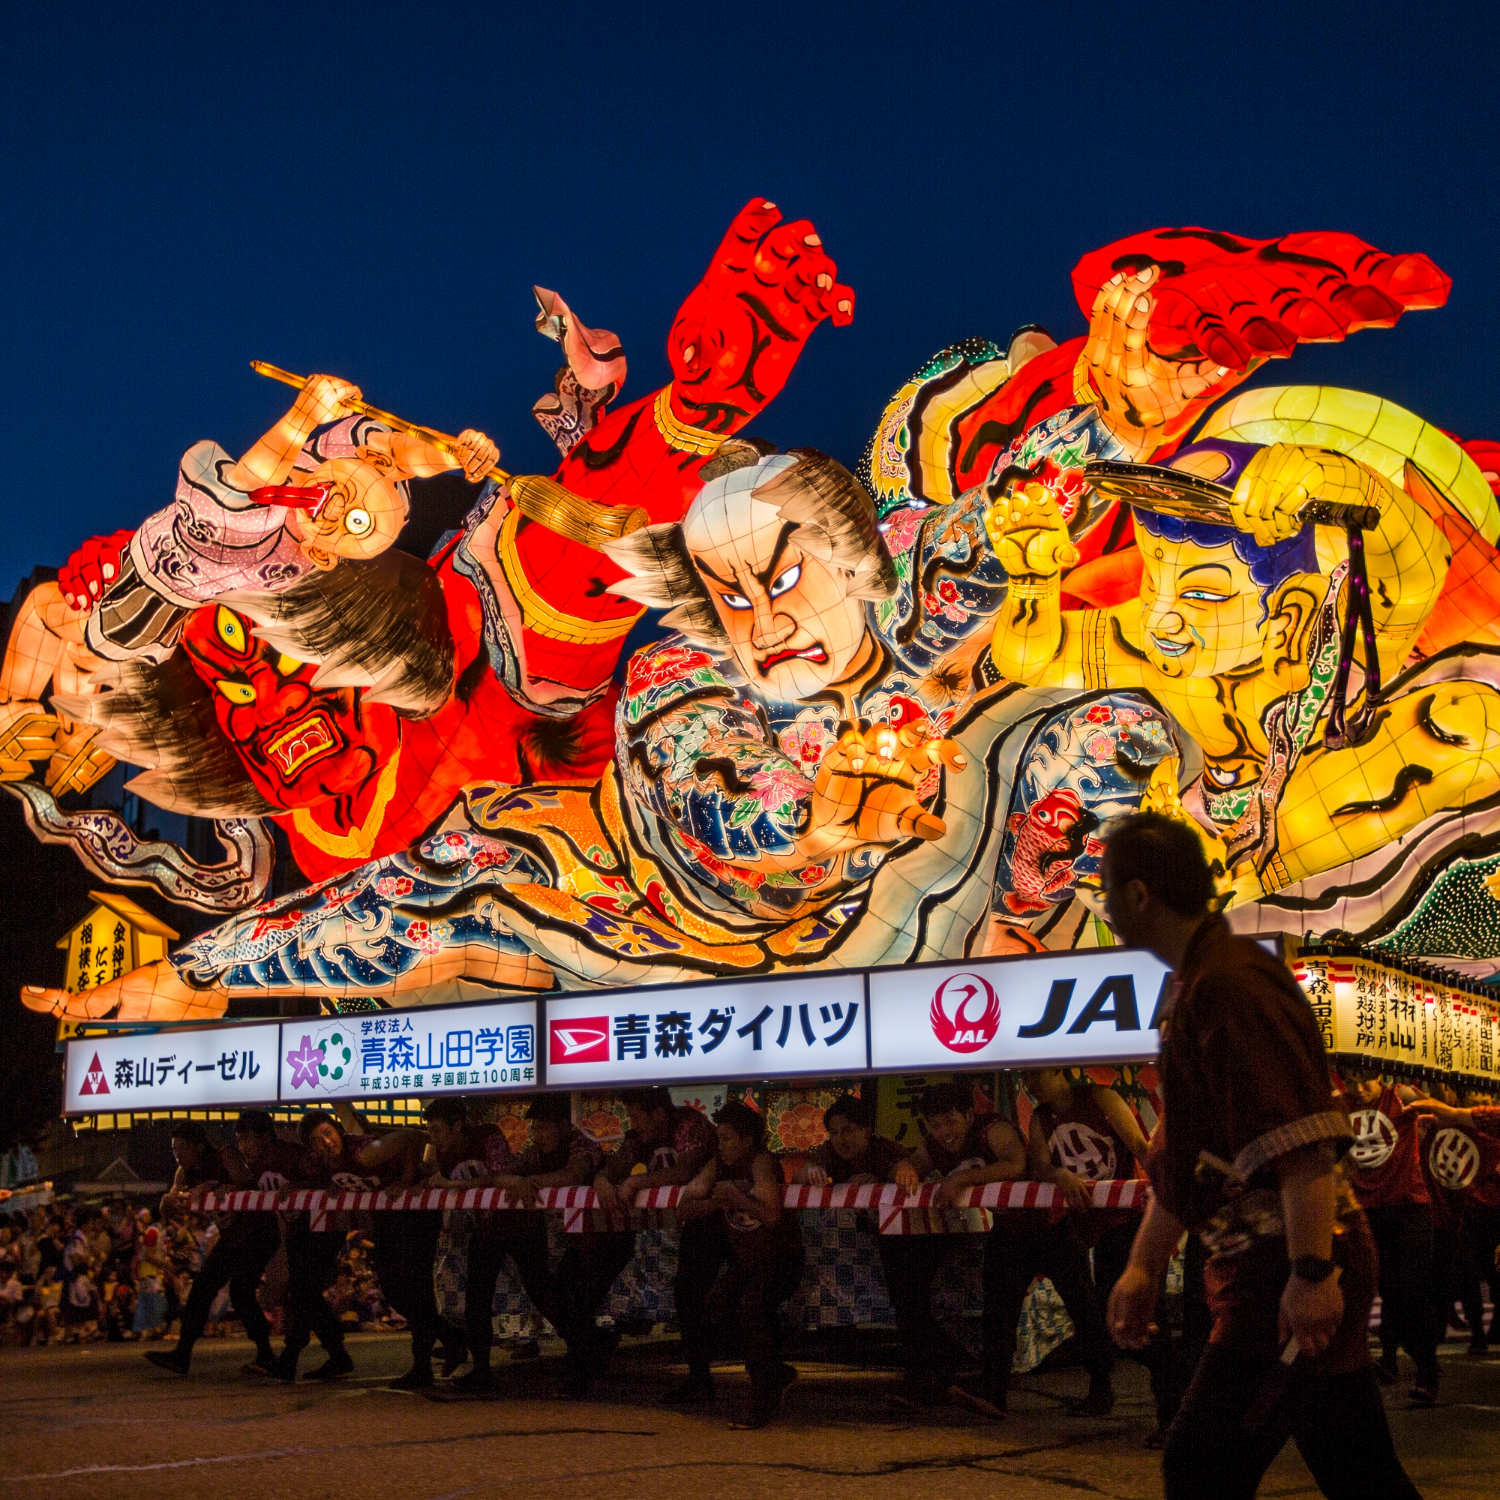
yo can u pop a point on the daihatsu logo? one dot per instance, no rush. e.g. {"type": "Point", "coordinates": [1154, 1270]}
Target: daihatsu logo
{"type": "Point", "coordinates": [580, 1041]}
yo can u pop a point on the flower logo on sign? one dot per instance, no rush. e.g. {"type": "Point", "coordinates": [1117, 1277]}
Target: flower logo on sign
{"type": "Point", "coordinates": [337, 1056]}
{"type": "Point", "coordinates": [305, 1063]}
{"type": "Point", "coordinates": [965, 1012]}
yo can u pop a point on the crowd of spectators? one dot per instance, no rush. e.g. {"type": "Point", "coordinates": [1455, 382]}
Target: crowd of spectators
{"type": "Point", "coordinates": [117, 1273]}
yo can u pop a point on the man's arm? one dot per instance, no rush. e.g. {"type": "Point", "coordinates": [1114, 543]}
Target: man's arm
{"type": "Point", "coordinates": [171, 1200]}
{"type": "Point", "coordinates": [695, 1200]}
{"type": "Point", "coordinates": [1133, 1298]}
{"type": "Point", "coordinates": [1406, 556]}
{"type": "Point", "coordinates": [685, 1169]}
{"type": "Point", "coordinates": [321, 400]}
{"type": "Point", "coordinates": [764, 1200]}
{"type": "Point", "coordinates": [909, 1175]}
{"type": "Point", "coordinates": [575, 1172]}
{"type": "Point", "coordinates": [1009, 1165]}
{"type": "Point", "coordinates": [392, 1147]}
{"type": "Point", "coordinates": [1076, 1193]}
{"type": "Point", "coordinates": [1123, 1121]}
{"type": "Point", "coordinates": [1310, 1311]}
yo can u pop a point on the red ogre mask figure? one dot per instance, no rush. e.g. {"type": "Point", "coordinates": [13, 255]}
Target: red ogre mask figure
{"type": "Point", "coordinates": [300, 745]}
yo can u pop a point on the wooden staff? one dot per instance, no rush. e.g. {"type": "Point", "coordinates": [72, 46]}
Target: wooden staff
{"type": "Point", "coordinates": [538, 498]}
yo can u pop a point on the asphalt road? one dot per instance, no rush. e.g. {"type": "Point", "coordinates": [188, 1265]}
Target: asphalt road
{"type": "Point", "coordinates": [84, 1424]}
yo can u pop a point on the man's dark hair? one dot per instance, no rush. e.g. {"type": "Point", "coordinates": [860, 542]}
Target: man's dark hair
{"type": "Point", "coordinates": [310, 1122]}
{"type": "Point", "coordinates": [649, 1100]}
{"type": "Point", "coordinates": [939, 1098]}
{"type": "Point", "coordinates": [255, 1122]}
{"type": "Point", "coordinates": [448, 1110]}
{"type": "Point", "coordinates": [1166, 856]}
{"type": "Point", "coordinates": [746, 1121]}
{"type": "Point", "coordinates": [190, 1130]}
{"type": "Point", "coordinates": [852, 1108]}
{"type": "Point", "coordinates": [551, 1107]}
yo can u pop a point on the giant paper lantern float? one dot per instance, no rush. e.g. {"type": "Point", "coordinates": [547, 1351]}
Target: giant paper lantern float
{"type": "Point", "coordinates": [894, 714]}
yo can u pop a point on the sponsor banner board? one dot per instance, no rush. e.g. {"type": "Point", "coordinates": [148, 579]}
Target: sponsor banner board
{"type": "Point", "coordinates": [1092, 1006]}
{"type": "Point", "coordinates": [773, 1028]}
{"type": "Point", "coordinates": [210, 1069]}
{"type": "Point", "coordinates": [423, 1050]}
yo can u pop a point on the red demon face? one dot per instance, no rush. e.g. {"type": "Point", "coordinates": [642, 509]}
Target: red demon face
{"type": "Point", "coordinates": [300, 745]}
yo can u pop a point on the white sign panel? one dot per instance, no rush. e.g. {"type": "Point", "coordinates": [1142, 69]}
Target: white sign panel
{"type": "Point", "coordinates": [1079, 1007]}
{"type": "Point", "coordinates": [211, 1069]}
{"type": "Point", "coordinates": [759, 1029]}
{"type": "Point", "coordinates": [436, 1050]}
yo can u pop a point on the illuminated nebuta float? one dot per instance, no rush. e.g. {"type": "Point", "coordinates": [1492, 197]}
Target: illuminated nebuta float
{"type": "Point", "coordinates": [897, 711]}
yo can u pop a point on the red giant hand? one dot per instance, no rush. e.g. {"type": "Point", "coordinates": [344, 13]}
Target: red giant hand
{"type": "Point", "coordinates": [739, 333]}
{"type": "Point", "coordinates": [92, 568]}
{"type": "Point", "coordinates": [1180, 316]}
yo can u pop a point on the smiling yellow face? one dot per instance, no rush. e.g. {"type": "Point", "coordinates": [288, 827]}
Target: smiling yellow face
{"type": "Point", "coordinates": [1201, 612]}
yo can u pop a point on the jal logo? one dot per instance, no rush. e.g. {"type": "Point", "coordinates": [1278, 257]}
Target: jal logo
{"type": "Point", "coordinates": [584, 1040]}
{"type": "Point", "coordinates": [1114, 1000]}
{"type": "Point", "coordinates": [965, 1012]}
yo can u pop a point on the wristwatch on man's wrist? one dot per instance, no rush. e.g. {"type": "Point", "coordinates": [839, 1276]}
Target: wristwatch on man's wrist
{"type": "Point", "coordinates": [1313, 1268]}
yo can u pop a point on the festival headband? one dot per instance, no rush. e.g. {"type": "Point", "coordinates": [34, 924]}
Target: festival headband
{"type": "Point", "coordinates": [309, 497]}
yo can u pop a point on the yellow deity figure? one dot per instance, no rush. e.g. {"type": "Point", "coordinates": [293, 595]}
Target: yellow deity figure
{"type": "Point", "coordinates": [1235, 634]}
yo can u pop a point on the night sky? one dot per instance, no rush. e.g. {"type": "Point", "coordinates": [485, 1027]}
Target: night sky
{"type": "Point", "coordinates": [372, 190]}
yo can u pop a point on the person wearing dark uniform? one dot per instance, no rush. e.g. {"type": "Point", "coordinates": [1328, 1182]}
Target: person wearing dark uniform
{"type": "Point", "coordinates": [247, 1241]}
{"type": "Point", "coordinates": [1246, 1156]}
{"type": "Point", "coordinates": [463, 1151]}
{"type": "Point", "coordinates": [1462, 1157]}
{"type": "Point", "coordinates": [312, 1254]}
{"type": "Point", "coordinates": [560, 1156]}
{"type": "Point", "coordinates": [736, 1272]}
{"type": "Point", "coordinates": [403, 1241]}
{"type": "Point", "coordinates": [1081, 1134]}
{"type": "Point", "coordinates": [667, 1145]}
{"type": "Point", "coordinates": [854, 1155]}
{"type": "Point", "coordinates": [1020, 1245]}
{"type": "Point", "coordinates": [1388, 1181]}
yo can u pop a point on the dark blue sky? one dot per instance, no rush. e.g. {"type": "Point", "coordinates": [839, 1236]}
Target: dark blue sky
{"type": "Point", "coordinates": [372, 189]}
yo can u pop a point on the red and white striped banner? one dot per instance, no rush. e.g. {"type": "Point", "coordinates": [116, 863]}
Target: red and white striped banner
{"type": "Point", "coordinates": [580, 1204]}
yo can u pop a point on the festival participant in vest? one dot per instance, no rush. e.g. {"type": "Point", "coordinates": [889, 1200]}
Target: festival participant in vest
{"type": "Point", "coordinates": [462, 1150]}
{"type": "Point", "coordinates": [246, 1242]}
{"type": "Point", "coordinates": [667, 1145]}
{"type": "Point", "coordinates": [1448, 1251]}
{"type": "Point", "coordinates": [404, 1241]}
{"type": "Point", "coordinates": [1081, 1134]}
{"type": "Point", "coordinates": [739, 1269]}
{"type": "Point", "coordinates": [559, 1156]}
{"type": "Point", "coordinates": [1246, 1156]}
{"type": "Point", "coordinates": [959, 1151]}
{"type": "Point", "coordinates": [1387, 1160]}
{"type": "Point", "coordinates": [313, 1244]}
{"type": "Point", "coordinates": [855, 1155]}
{"type": "Point", "coordinates": [1462, 1156]}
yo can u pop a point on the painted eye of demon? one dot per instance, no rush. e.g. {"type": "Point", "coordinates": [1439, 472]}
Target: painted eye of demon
{"type": "Point", "coordinates": [236, 692]}
{"type": "Point", "coordinates": [287, 665]}
{"type": "Point", "coordinates": [357, 522]}
{"type": "Point", "coordinates": [785, 581]}
{"type": "Point", "coordinates": [231, 630]}
{"type": "Point", "coordinates": [735, 601]}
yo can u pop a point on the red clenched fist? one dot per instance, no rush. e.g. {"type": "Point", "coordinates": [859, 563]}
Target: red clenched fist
{"type": "Point", "coordinates": [92, 568]}
{"type": "Point", "coordinates": [1237, 301]}
{"type": "Point", "coordinates": [739, 333]}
